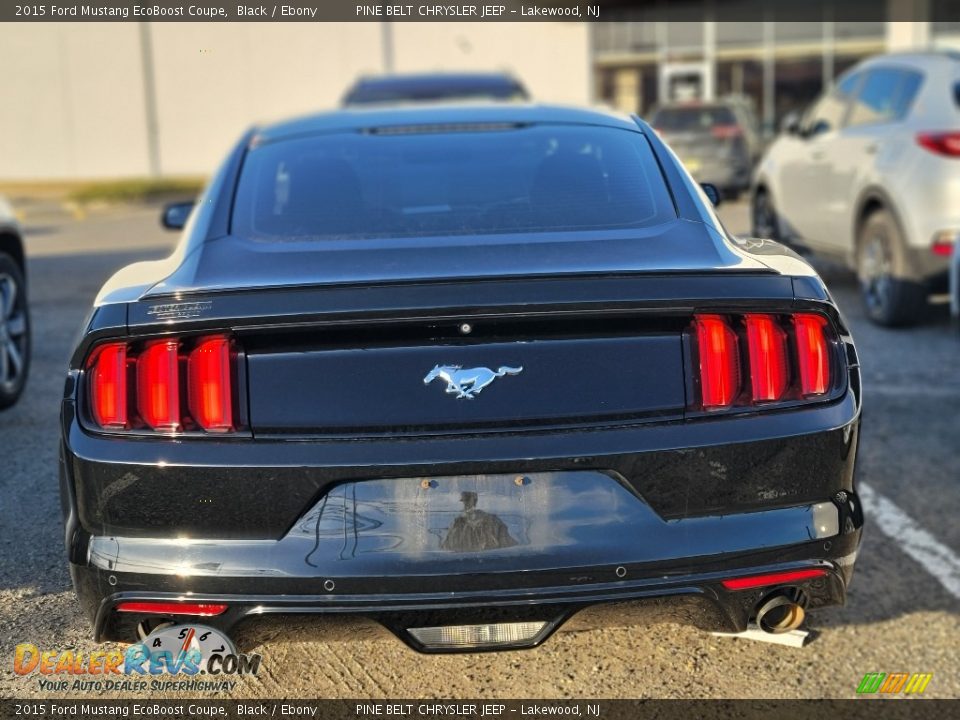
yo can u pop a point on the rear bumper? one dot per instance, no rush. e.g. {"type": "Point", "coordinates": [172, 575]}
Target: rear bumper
{"type": "Point", "coordinates": [934, 270]}
{"type": "Point", "coordinates": [577, 597]}
{"type": "Point", "coordinates": [654, 515]}
{"type": "Point", "coordinates": [730, 175]}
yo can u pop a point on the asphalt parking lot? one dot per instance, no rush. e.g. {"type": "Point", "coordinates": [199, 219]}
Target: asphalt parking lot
{"type": "Point", "coordinates": [903, 612]}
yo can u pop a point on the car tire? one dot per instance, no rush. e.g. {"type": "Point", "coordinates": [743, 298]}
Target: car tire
{"type": "Point", "coordinates": [14, 332]}
{"type": "Point", "coordinates": [890, 297]}
{"type": "Point", "coordinates": [763, 216]}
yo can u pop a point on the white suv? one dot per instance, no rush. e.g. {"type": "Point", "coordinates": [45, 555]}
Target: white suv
{"type": "Point", "coordinates": [870, 176]}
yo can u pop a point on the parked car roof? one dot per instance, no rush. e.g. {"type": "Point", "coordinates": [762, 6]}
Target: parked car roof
{"type": "Point", "coordinates": [433, 87]}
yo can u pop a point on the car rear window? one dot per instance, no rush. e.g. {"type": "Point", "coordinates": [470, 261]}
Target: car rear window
{"type": "Point", "coordinates": [693, 119]}
{"type": "Point", "coordinates": [403, 182]}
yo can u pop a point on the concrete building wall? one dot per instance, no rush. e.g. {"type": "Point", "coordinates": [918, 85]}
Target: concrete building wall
{"type": "Point", "coordinates": [75, 104]}
{"type": "Point", "coordinates": [552, 59]}
{"type": "Point", "coordinates": [72, 101]}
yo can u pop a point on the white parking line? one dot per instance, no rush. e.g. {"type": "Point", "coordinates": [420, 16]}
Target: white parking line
{"type": "Point", "coordinates": [935, 557]}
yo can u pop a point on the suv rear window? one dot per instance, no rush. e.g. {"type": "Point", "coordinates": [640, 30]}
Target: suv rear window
{"type": "Point", "coordinates": [693, 119]}
{"type": "Point", "coordinates": [472, 180]}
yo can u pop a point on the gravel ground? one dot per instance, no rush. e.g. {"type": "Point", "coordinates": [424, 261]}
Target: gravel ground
{"type": "Point", "coordinates": [898, 618]}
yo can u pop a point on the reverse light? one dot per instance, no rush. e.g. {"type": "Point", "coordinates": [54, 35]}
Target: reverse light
{"type": "Point", "coordinates": [766, 345]}
{"type": "Point", "coordinates": [719, 361]}
{"type": "Point", "coordinates": [781, 578]}
{"type": "Point", "coordinates": [172, 608]}
{"type": "Point", "coordinates": [940, 143]}
{"type": "Point", "coordinates": [158, 386]}
{"type": "Point", "coordinates": [209, 390]}
{"type": "Point", "coordinates": [108, 386]}
{"type": "Point", "coordinates": [475, 636]}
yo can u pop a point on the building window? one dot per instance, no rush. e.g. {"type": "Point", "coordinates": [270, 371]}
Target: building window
{"type": "Point", "coordinates": [743, 78]}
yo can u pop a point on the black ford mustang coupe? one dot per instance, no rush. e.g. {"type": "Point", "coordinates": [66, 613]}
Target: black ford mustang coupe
{"type": "Point", "coordinates": [468, 372]}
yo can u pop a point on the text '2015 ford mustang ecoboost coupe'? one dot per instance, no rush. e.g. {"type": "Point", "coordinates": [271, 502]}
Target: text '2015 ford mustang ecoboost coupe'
{"type": "Point", "coordinates": [467, 372]}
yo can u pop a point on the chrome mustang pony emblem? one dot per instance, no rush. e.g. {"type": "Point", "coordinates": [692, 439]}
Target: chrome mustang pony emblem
{"type": "Point", "coordinates": [467, 383]}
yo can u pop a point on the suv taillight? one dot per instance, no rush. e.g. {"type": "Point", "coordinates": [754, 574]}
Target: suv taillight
{"type": "Point", "coordinates": [940, 143]}
{"type": "Point", "coordinates": [168, 385]}
{"type": "Point", "coordinates": [726, 132]}
{"type": "Point", "coordinates": [761, 358]}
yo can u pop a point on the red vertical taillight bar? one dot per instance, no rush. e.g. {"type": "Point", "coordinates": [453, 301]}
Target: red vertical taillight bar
{"type": "Point", "coordinates": [209, 386]}
{"type": "Point", "coordinates": [108, 386]}
{"type": "Point", "coordinates": [158, 385]}
{"type": "Point", "coordinates": [719, 361]}
{"type": "Point", "coordinates": [767, 351]}
{"type": "Point", "coordinates": [813, 353]}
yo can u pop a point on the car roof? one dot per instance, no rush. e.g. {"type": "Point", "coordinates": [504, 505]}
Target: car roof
{"type": "Point", "coordinates": [914, 58]}
{"type": "Point", "coordinates": [482, 113]}
{"type": "Point", "coordinates": [439, 79]}
{"type": "Point", "coordinates": [432, 86]}
{"type": "Point", "coordinates": [700, 104]}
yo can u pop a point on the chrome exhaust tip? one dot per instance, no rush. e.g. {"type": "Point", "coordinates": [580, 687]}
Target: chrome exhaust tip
{"type": "Point", "coordinates": [781, 612]}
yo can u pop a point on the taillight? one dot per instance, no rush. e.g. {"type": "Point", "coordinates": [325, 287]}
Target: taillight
{"type": "Point", "coordinates": [755, 358]}
{"type": "Point", "coordinates": [941, 143]}
{"type": "Point", "coordinates": [813, 357]}
{"type": "Point", "coordinates": [943, 249]}
{"type": "Point", "coordinates": [158, 386]}
{"type": "Point", "coordinates": [767, 349]}
{"type": "Point", "coordinates": [719, 361]}
{"type": "Point", "coordinates": [210, 393]}
{"type": "Point", "coordinates": [151, 607]}
{"type": "Point", "coordinates": [177, 385]}
{"type": "Point", "coordinates": [725, 132]}
{"type": "Point", "coordinates": [781, 578]}
{"type": "Point", "coordinates": [108, 386]}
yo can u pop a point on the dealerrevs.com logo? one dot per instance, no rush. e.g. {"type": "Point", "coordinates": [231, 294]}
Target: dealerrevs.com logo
{"type": "Point", "coordinates": [184, 651]}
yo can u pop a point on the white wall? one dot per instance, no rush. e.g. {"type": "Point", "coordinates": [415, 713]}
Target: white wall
{"type": "Point", "coordinates": [215, 80]}
{"type": "Point", "coordinates": [74, 103]}
{"type": "Point", "coordinates": [552, 59]}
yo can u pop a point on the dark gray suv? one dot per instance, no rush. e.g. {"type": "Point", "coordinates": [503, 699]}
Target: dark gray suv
{"type": "Point", "coordinates": [718, 141]}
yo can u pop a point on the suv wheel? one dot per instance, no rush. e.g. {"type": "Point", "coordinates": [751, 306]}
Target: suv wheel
{"type": "Point", "coordinates": [889, 297]}
{"type": "Point", "coordinates": [764, 216]}
{"type": "Point", "coordinates": [14, 332]}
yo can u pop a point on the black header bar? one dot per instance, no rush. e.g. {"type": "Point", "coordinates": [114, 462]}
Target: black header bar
{"type": "Point", "coordinates": [396, 709]}
{"type": "Point", "coordinates": [493, 11]}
